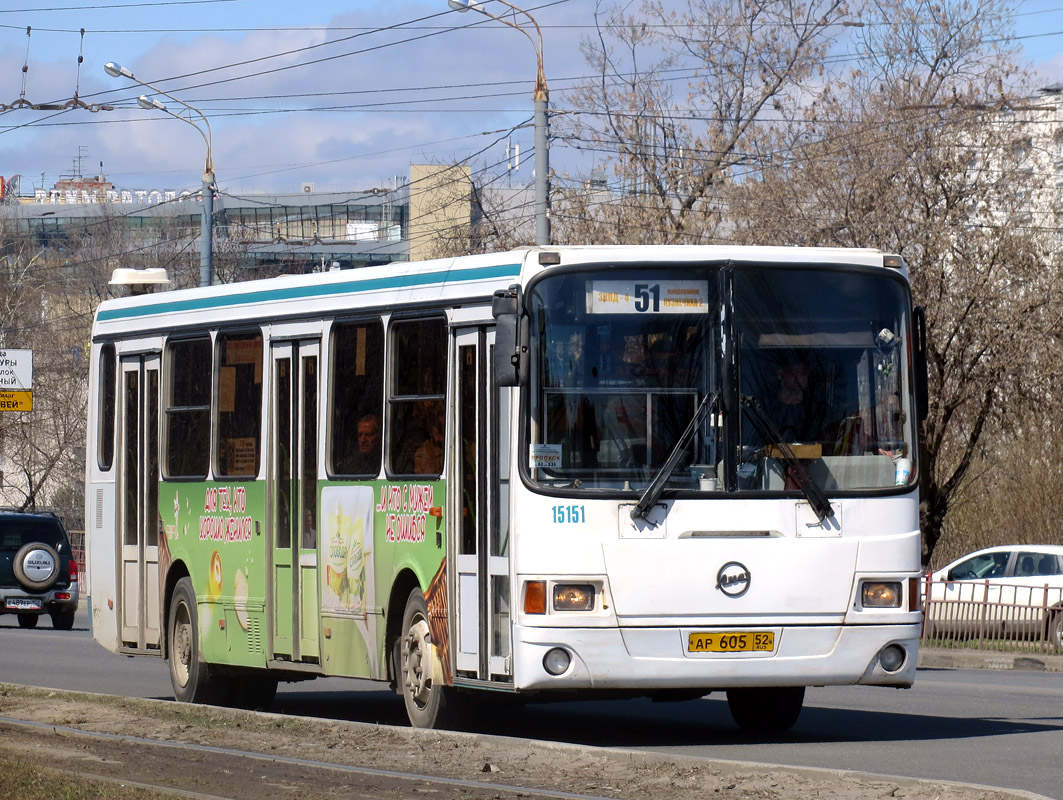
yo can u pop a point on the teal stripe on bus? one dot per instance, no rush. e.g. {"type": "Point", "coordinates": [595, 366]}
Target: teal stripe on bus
{"type": "Point", "coordinates": [300, 292]}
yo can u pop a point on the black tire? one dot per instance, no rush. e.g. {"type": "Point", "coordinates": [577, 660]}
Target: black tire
{"type": "Point", "coordinates": [429, 704]}
{"type": "Point", "coordinates": [36, 567]}
{"type": "Point", "coordinates": [191, 677]}
{"type": "Point", "coordinates": [28, 620]}
{"type": "Point", "coordinates": [62, 620]}
{"type": "Point", "coordinates": [254, 692]}
{"type": "Point", "coordinates": [1054, 634]}
{"type": "Point", "coordinates": [771, 709]}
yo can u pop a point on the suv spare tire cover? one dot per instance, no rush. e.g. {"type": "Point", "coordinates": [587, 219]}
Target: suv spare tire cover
{"type": "Point", "coordinates": [37, 566]}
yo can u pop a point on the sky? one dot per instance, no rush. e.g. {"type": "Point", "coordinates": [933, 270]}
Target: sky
{"type": "Point", "coordinates": [343, 95]}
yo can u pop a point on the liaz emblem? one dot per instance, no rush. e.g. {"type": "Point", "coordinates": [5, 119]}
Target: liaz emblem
{"type": "Point", "coordinates": [733, 579]}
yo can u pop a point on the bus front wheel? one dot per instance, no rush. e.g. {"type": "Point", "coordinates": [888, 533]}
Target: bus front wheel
{"type": "Point", "coordinates": [429, 703]}
{"type": "Point", "coordinates": [190, 677]}
{"type": "Point", "coordinates": [769, 709]}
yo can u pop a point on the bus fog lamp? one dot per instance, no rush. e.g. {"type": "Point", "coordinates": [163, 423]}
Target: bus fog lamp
{"type": "Point", "coordinates": [573, 597]}
{"type": "Point", "coordinates": [892, 657]}
{"type": "Point", "coordinates": [881, 594]}
{"type": "Point", "coordinates": [557, 661]}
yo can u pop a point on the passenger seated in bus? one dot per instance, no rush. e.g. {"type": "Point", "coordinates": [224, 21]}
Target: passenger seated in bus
{"type": "Point", "coordinates": [366, 459]}
{"type": "Point", "coordinates": [428, 460]}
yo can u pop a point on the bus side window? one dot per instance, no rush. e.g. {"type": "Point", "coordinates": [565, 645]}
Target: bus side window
{"type": "Point", "coordinates": [239, 435]}
{"type": "Point", "coordinates": [357, 387]}
{"type": "Point", "coordinates": [188, 408]}
{"type": "Point", "coordinates": [417, 406]}
{"type": "Point", "coordinates": [107, 409]}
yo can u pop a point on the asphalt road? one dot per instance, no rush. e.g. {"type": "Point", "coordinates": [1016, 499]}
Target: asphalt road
{"type": "Point", "coordinates": [991, 727]}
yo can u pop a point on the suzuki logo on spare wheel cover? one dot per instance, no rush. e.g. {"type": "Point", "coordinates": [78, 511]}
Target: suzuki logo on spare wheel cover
{"type": "Point", "coordinates": [733, 579]}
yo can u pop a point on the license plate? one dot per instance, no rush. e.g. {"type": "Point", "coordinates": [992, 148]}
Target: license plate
{"type": "Point", "coordinates": [731, 642]}
{"type": "Point", "coordinates": [24, 603]}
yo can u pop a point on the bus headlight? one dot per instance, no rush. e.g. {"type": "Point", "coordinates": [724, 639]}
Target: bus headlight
{"type": "Point", "coordinates": [573, 597]}
{"type": "Point", "coordinates": [880, 594]}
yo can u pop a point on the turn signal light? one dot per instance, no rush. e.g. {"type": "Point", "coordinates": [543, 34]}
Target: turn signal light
{"type": "Point", "coordinates": [535, 597]}
{"type": "Point", "coordinates": [881, 594]}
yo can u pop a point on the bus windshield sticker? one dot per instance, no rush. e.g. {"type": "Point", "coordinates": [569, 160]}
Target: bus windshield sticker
{"type": "Point", "coordinates": [545, 456]}
{"type": "Point", "coordinates": [649, 297]}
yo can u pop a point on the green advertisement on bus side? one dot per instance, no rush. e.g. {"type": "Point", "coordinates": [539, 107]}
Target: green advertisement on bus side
{"type": "Point", "coordinates": [360, 537]}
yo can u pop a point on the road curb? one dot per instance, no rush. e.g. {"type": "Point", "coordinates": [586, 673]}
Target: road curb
{"type": "Point", "coordinates": [939, 658]}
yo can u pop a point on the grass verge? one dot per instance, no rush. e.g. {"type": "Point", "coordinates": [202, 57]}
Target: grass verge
{"type": "Point", "coordinates": [24, 781]}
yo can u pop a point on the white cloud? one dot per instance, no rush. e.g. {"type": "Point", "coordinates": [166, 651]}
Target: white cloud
{"type": "Point", "coordinates": [350, 141]}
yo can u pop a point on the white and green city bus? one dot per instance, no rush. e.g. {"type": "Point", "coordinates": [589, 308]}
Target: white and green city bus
{"type": "Point", "coordinates": [553, 472]}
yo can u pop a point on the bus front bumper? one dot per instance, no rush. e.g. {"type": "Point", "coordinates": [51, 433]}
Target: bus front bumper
{"type": "Point", "coordinates": [658, 658]}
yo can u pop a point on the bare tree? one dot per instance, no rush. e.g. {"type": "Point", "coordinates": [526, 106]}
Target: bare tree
{"type": "Point", "coordinates": [914, 152]}
{"type": "Point", "coordinates": [678, 102]}
{"type": "Point", "coordinates": [42, 450]}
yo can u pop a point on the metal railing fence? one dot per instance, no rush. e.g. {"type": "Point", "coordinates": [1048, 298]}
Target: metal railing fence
{"type": "Point", "coordinates": [993, 616]}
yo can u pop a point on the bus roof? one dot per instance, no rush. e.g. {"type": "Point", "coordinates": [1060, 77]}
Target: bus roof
{"type": "Point", "coordinates": [461, 279]}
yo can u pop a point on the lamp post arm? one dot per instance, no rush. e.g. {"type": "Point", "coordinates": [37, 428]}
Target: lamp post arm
{"type": "Point", "coordinates": [540, 78]}
{"type": "Point", "coordinates": [206, 136]}
{"type": "Point", "coordinates": [541, 90]}
{"type": "Point", "coordinates": [209, 167]}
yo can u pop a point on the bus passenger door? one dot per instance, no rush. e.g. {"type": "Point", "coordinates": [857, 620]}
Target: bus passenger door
{"type": "Point", "coordinates": [480, 518]}
{"type": "Point", "coordinates": [293, 448]}
{"type": "Point", "coordinates": [138, 503]}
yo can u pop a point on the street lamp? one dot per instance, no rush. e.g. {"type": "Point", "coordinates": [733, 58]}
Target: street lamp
{"type": "Point", "coordinates": [542, 106]}
{"type": "Point", "coordinates": [206, 243]}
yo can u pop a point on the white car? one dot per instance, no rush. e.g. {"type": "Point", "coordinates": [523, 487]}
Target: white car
{"type": "Point", "coordinates": [1012, 591]}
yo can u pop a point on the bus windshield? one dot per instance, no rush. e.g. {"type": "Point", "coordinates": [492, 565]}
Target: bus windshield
{"type": "Point", "coordinates": [808, 363]}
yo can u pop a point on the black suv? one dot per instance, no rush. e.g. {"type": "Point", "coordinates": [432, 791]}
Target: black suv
{"type": "Point", "coordinates": [38, 574]}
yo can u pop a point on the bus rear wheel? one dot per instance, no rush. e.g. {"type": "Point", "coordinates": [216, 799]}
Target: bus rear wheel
{"type": "Point", "coordinates": [429, 703]}
{"type": "Point", "coordinates": [190, 676]}
{"type": "Point", "coordinates": [769, 709]}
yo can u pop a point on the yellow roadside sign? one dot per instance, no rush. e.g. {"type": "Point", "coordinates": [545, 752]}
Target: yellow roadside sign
{"type": "Point", "coordinates": [16, 401]}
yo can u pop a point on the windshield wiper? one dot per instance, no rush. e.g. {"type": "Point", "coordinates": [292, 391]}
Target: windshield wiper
{"type": "Point", "coordinates": [653, 491]}
{"type": "Point", "coordinates": [794, 468]}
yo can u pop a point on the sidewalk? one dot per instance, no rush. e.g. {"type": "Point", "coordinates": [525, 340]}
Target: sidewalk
{"type": "Point", "coordinates": [941, 658]}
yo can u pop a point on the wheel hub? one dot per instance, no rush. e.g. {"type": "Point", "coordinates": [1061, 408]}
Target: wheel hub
{"type": "Point", "coordinates": [182, 646]}
{"type": "Point", "coordinates": [417, 667]}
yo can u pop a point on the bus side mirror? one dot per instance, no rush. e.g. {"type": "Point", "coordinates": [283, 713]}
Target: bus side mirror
{"type": "Point", "coordinates": [511, 346]}
{"type": "Point", "coordinates": [922, 379]}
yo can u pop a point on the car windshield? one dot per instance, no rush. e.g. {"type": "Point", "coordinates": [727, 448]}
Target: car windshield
{"type": "Point", "coordinates": [623, 356]}
{"type": "Point", "coordinates": [980, 567]}
{"type": "Point", "coordinates": [15, 534]}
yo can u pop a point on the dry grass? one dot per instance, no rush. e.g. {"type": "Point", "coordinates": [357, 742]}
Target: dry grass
{"type": "Point", "coordinates": [24, 781]}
